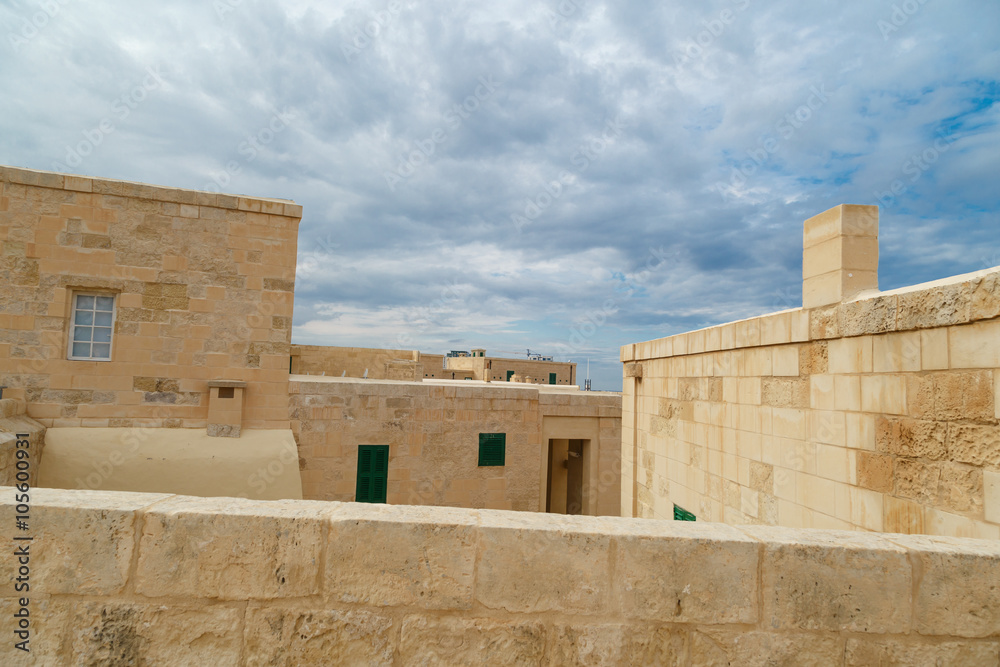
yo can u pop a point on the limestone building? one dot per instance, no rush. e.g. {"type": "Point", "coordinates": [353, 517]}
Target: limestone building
{"type": "Point", "coordinates": [148, 329]}
{"type": "Point", "coordinates": [862, 410]}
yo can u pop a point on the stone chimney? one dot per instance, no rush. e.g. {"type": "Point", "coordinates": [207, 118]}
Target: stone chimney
{"type": "Point", "coordinates": [839, 255]}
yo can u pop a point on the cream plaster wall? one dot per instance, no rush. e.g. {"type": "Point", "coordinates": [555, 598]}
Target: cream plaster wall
{"type": "Point", "coordinates": [262, 464]}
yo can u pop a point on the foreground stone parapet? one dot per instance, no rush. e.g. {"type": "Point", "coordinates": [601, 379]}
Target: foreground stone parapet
{"type": "Point", "coordinates": [181, 580]}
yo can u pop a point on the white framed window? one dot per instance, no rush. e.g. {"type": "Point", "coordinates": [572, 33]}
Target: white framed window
{"type": "Point", "coordinates": [91, 326]}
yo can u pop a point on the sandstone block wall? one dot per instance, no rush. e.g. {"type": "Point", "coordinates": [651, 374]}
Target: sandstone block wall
{"type": "Point", "coordinates": [122, 578]}
{"type": "Point", "coordinates": [877, 414]}
{"type": "Point", "coordinates": [495, 369]}
{"type": "Point", "coordinates": [407, 365]}
{"type": "Point", "coordinates": [13, 422]}
{"type": "Point", "coordinates": [203, 285]}
{"type": "Point", "coordinates": [433, 434]}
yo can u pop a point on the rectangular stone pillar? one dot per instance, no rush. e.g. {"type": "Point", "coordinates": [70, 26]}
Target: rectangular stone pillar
{"type": "Point", "coordinates": [225, 408]}
{"type": "Point", "coordinates": [839, 255]}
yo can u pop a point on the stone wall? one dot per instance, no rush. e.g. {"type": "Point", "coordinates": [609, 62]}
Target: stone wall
{"type": "Point", "coordinates": [203, 286]}
{"type": "Point", "coordinates": [379, 364]}
{"type": "Point", "coordinates": [876, 413]}
{"type": "Point", "coordinates": [496, 369]}
{"type": "Point", "coordinates": [433, 433]}
{"type": "Point", "coordinates": [120, 578]}
{"type": "Point", "coordinates": [12, 423]}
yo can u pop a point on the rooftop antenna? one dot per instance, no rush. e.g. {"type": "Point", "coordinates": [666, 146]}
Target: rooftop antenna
{"type": "Point", "coordinates": [586, 384]}
{"type": "Point", "coordinates": [365, 376]}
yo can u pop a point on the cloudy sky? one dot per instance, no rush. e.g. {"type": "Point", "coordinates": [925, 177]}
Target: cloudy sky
{"type": "Point", "coordinates": [565, 176]}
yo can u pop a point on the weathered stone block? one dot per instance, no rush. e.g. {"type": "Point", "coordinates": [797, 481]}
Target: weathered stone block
{"type": "Point", "coordinates": [569, 559]}
{"type": "Point", "coordinates": [973, 444]}
{"type": "Point", "coordinates": [833, 580]}
{"type": "Point", "coordinates": [917, 480]}
{"type": "Point", "coordinates": [279, 636]}
{"type": "Point", "coordinates": [119, 633]}
{"type": "Point", "coordinates": [686, 572]}
{"type": "Point", "coordinates": [902, 516]}
{"type": "Point", "coordinates": [916, 653]}
{"type": "Point", "coordinates": [84, 540]}
{"type": "Point", "coordinates": [935, 307]}
{"type": "Point", "coordinates": [952, 396]}
{"type": "Point", "coordinates": [618, 645]}
{"type": "Point", "coordinates": [874, 472]}
{"type": "Point", "coordinates": [975, 345]}
{"type": "Point", "coordinates": [382, 555]}
{"type": "Point", "coordinates": [462, 641]}
{"type": "Point", "coordinates": [953, 596]}
{"type": "Point", "coordinates": [231, 549]}
{"type": "Point", "coordinates": [911, 437]}
{"type": "Point", "coordinates": [722, 648]}
{"type": "Point", "coordinates": [991, 484]}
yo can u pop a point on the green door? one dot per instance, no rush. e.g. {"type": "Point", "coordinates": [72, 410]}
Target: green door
{"type": "Point", "coordinates": [552, 378]}
{"type": "Point", "coordinates": [373, 473]}
{"type": "Point", "coordinates": [510, 374]}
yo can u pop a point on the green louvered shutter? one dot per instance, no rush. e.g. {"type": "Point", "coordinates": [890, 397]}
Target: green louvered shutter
{"type": "Point", "coordinates": [552, 378]}
{"type": "Point", "coordinates": [373, 473]}
{"type": "Point", "coordinates": [492, 449]}
{"type": "Point", "coordinates": [681, 514]}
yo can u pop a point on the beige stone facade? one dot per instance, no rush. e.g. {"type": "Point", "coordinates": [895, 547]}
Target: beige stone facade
{"type": "Point", "coordinates": [156, 579]}
{"type": "Point", "coordinates": [499, 369]}
{"type": "Point", "coordinates": [361, 362]}
{"type": "Point", "coordinates": [432, 430]}
{"type": "Point", "coordinates": [876, 413]}
{"type": "Point", "coordinates": [22, 441]}
{"type": "Point", "coordinates": [202, 288]}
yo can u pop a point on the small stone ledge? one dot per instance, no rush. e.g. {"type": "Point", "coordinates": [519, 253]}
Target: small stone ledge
{"type": "Point", "coordinates": [107, 186]}
{"type": "Point", "coordinates": [954, 301]}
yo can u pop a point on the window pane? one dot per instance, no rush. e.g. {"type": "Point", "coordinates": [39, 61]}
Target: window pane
{"type": "Point", "coordinates": [82, 333]}
{"type": "Point", "coordinates": [84, 317]}
{"type": "Point", "coordinates": [102, 351]}
{"type": "Point", "coordinates": [102, 335]}
{"type": "Point", "coordinates": [81, 349]}
{"type": "Point", "coordinates": [105, 303]}
{"type": "Point", "coordinates": [100, 319]}
{"type": "Point", "coordinates": [85, 302]}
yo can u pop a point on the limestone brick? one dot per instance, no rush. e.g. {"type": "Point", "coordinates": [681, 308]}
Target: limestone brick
{"type": "Point", "coordinates": [991, 486]}
{"type": "Point", "coordinates": [948, 599]}
{"type": "Point", "coordinates": [88, 538]}
{"type": "Point", "coordinates": [856, 583]}
{"type": "Point", "coordinates": [711, 646]}
{"type": "Point", "coordinates": [934, 349]}
{"type": "Point", "coordinates": [974, 444]}
{"type": "Point", "coordinates": [911, 437]}
{"type": "Point", "coordinates": [460, 641]}
{"type": "Point", "coordinates": [295, 636]}
{"type": "Point", "coordinates": [905, 653]}
{"type": "Point", "coordinates": [231, 549]}
{"type": "Point", "coordinates": [851, 355]}
{"type": "Point", "coordinates": [975, 345]}
{"type": "Point", "coordinates": [562, 584]}
{"type": "Point", "coordinates": [431, 564]}
{"type": "Point", "coordinates": [705, 571]}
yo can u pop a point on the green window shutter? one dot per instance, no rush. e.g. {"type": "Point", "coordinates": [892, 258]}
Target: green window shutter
{"type": "Point", "coordinates": [510, 374]}
{"type": "Point", "coordinates": [373, 473]}
{"type": "Point", "coordinates": [552, 378]}
{"type": "Point", "coordinates": [681, 514]}
{"type": "Point", "coordinates": [492, 449]}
